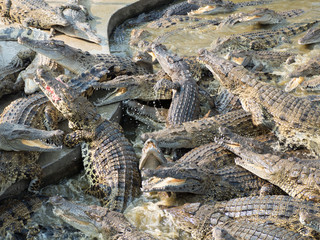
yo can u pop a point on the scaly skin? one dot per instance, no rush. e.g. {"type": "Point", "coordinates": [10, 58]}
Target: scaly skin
{"type": "Point", "coordinates": [260, 40]}
{"type": "Point", "coordinates": [207, 222]}
{"type": "Point", "coordinates": [109, 159]}
{"type": "Point", "coordinates": [297, 119]}
{"type": "Point", "coordinates": [211, 7]}
{"type": "Point", "coordinates": [31, 112]}
{"type": "Point", "coordinates": [207, 170]}
{"type": "Point", "coordinates": [283, 210]}
{"type": "Point", "coordinates": [185, 100]}
{"type": "Point", "coordinates": [15, 214]}
{"type": "Point", "coordinates": [33, 13]}
{"type": "Point", "coordinates": [195, 133]}
{"type": "Point", "coordinates": [78, 17]}
{"type": "Point", "coordinates": [299, 178]}
{"type": "Point", "coordinates": [78, 61]}
{"type": "Point", "coordinates": [96, 221]}
{"type": "Point", "coordinates": [180, 9]}
{"type": "Point", "coordinates": [311, 36]}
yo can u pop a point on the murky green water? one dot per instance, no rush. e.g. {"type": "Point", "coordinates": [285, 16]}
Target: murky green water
{"type": "Point", "coordinates": [144, 212]}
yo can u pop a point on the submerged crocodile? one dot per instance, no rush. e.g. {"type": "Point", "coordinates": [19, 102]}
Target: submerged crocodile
{"type": "Point", "coordinates": [95, 221]}
{"type": "Point", "coordinates": [311, 36]}
{"type": "Point", "coordinates": [78, 61]}
{"type": "Point", "coordinates": [109, 159]}
{"type": "Point", "coordinates": [185, 100]}
{"type": "Point", "coordinates": [308, 69]}
{"type": "Point", "coordinates": [207, 171]}
{"type": "Point", "coordinates": [259, 40]}
{"type": "Point", "coordinates": [78, 17]}
{"type": "Point", "coordinates": [35, 112]}
{"type": "Point", "coordinates": [299, 178]}
{"type": "Point", "coordinates": [195, 133]}
{"type": "Point", "coordinates": [211, 7]}
{"type": "Point", "coordinates": [261, 16]}
{"type": "Point", "coordinates": [31, 13]}
{"type": "Point", "coordinates": [296, 119]}
{"type": "Point", "coordinates": [278, 214]}
{"type": "Point", "coordinates": [181, 8]}
{"type": "Point", "coordinates": [261, 60]}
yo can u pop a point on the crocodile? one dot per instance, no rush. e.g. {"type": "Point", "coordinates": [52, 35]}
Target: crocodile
{"type": "Point", "coordinates": [279, 211]}
{"type": "Point", "coordinates": [311, 36]}
{"type": "Point", "coordinates": [297, 177]}
{"type": "Point", "coordinates": [182, 8]}
{"type": "Point", "coordinates": [294, 119]}
{"type": "Point", "coordinates": [207, 171]}
{"type": "Point", "coordinates": [19, 137]}
{"type": "Point", "coordinates": [78, 17]}
{"type": "Point", "coordinates": [311, 85]}
{"type": "Point", "coordinates": [211, 7]}
{"type": "Point", "coordinates": [263, 60]}
{"type": "Point", "coordinates": [109, 159]}
{"type": "Point", "coordinates": [35, 112]}
{"type": "Point", "coordinates": [15, 215]}
{"type": "Point", "coordinates": [153, 117]}
{"type": "Point", "coordinates": [95, 221]}
{"type": "Point", "coordinates": [185, 100]}
{"type": "Point", "coordinates": [308, 69]}
{"type": "Point", "coordinates": [31, 13]}
{"type": "Point", "coordinates": [78, 61]}
{"type": "Point", "coordinates": [9, 73]}
{"type": "Point", "coordinates": [259, 40]}
{"type": "Point", "coordinates": [134, 87]}
{"type": "Point", "coordinates": [260, 16]}
{"type": "Point", "coordinates": [195, 133]}
{"type": "Point", "coordinates": [206, 222]}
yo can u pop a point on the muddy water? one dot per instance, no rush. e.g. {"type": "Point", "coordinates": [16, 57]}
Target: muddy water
{"type": "Point", "coordinates": [145, 212]}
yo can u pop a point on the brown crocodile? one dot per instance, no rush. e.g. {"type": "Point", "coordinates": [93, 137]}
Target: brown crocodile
{"type": "Point", "coordinates": [207, 222]}
{"type": "Point", "coordinates": [95, 221]}
{"type": "Point", "coordinates": [78, 61]}
{"type": "Point", "coordinates": [207, 171]}
{"type": "Point", "coordinates": [19, 137]}
{"type": "Point", "coordinates": [78, 17]}
{"type": "Point", "coordinates": [297, 177]}
{"type": "Point", "coordinates": [296, 119]}
{"type": "Point", "coordinates": [9, 73]}
{"type": "Point", "coordinates": [33, 13]}
{"type": "Point", "coordinates": [210, 7]}
{"type": "Point", "coordinates": [109, 159]}
{"type": "Point", "coordinates": [278, 210]}
{"type": "Point", "coordinates": [185, 100]}
{"type": "Point", "coordinates": [311, 36]}
{"type": "Point", "coordinates": [259, 40]}
{"type": "Point", "coordinates": [195, 133]}
{"type": "Point", "coordinates": [35, 112]}
{"type": "Point", "coordinates": [261, 16]}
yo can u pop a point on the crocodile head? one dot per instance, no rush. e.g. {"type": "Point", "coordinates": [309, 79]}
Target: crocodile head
{"type": "Point", "coordinates": [55, 49]}
{"type": "Point", "coordinates": [46, 18]}
{"type": "Point", "coordinates": [17, 137]}
{"type": "Point", "coordinates": [308, 69]}
{"type": "Point", "coordinates": [312, 36]}
{"type": "Point", "coordinates": [151, 156]}
{"type": "Point", "coordinates": [263, 16]}
{"type": "Point", "coordinates": [219, 67]}
{"type": "Point", "coordinates": [211, 7]}
{"type": "Point", "coordinates": [67, 100]}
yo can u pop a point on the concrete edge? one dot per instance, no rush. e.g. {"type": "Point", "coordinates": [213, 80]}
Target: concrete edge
{"type": "Point", "coordinates": [131, 11]}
